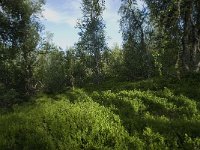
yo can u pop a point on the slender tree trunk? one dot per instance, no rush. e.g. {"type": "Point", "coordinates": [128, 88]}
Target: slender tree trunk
{"type": "Point", "coordinates": [197, 39]}
{"type": "Point", "coordinates": [194, 48]}
{"type": "Point", "coordinates": [185, 54]}
{"type": "Point", "coordinates": [97, 66]}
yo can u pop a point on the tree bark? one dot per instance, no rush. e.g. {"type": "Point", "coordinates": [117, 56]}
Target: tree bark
{"type": "Point", "coordinates": [185, 54]}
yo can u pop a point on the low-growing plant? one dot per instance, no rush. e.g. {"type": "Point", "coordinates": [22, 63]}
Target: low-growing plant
{"type": "Point", "coordinates": [63, 125]}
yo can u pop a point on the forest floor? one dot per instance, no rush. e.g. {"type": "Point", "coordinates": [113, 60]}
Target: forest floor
{"type": "Point", "coordinates": [158, 113]}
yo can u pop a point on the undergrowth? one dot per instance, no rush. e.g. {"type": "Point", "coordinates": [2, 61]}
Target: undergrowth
{"type": "Point", "coordinates": [151, 114]}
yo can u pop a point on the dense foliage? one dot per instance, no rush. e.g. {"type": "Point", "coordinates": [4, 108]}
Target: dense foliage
{"type": "Point", "coordinates": [141, 115]}
{"type": "Point", "coordinates": [19, 37]}
{"type": "Point", "coordinates": [142, 95]}
{"type": "Point", "coordinates": [154, 44]}
{"type": "Point", "coordinates": [92, 37]}
{"type": "Point", "coordinates": [62, 125]}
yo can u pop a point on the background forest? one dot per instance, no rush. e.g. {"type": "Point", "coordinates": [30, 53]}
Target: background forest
{"type": "Point", "coordinates": [144, 94]}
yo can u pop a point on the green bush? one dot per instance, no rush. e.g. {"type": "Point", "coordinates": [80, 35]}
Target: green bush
{"type": "Point", "coordinates": [153, 141]}
{"type": "Point", "coordinates": [63, 125]}
{"type": "Point", "coordinates": [191, 143]}
{"type": "Point", "coordinates": [8, 97]}
{"type": "Point", "coordinates": [169, 115]}
{"type": "Point", "coordinates": [77, 95]}
{"type": "Point", "coordinates": [22, 131]}
{"type": "Point", "coordinates": [105, 119]}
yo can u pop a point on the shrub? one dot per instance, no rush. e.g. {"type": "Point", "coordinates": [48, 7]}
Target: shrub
{"type": "Point", "coordinates": [154, 141]}
{"type": "Point", "coordinates": [77, 95]}
{"type": "Point", "coordinates": [7, 97]}
{"type": "Point", "coordinates": [191, 143]}
{"type": "Point", "coordinates": [19, 131]}
{"type": "Point", "coordinates": [63, 125]}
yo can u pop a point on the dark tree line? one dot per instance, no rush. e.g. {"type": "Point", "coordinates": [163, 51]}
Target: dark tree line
{"type": "Point", "coordinates": [178, 21]}
{"type": "Point", "coordinates": [162, 38]}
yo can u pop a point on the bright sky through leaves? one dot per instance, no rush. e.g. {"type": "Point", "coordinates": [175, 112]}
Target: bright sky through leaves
{"type": "Point", "coordinates": [60, 18]}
